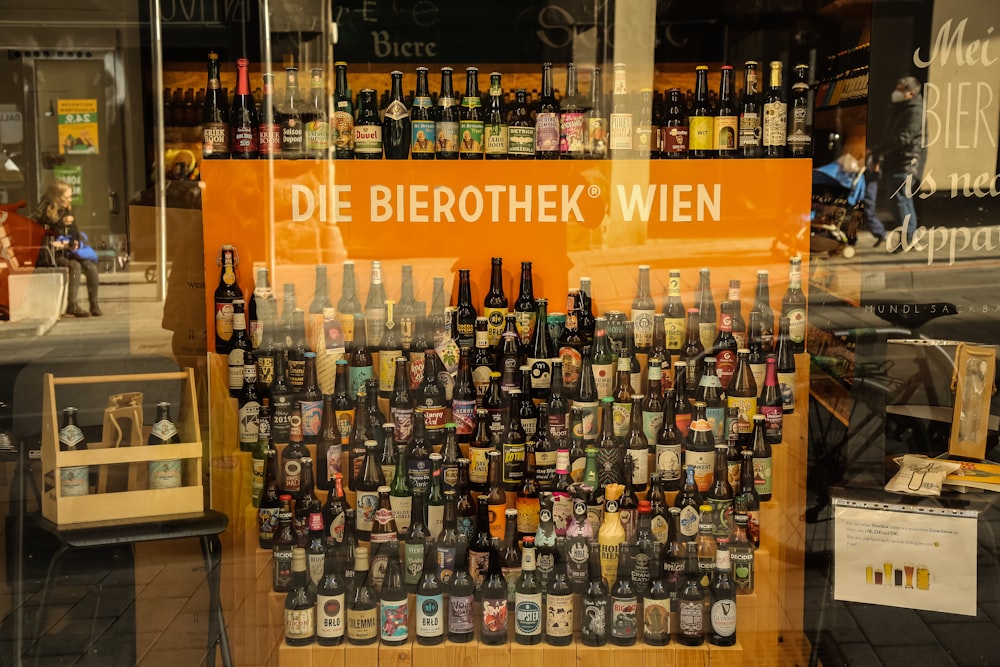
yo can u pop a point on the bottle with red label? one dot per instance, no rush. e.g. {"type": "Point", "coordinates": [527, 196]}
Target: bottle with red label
{"type": "Point", "coordinates": [268, 125]}
{"type": "Point", "coordinates": [243, 116]}
{"type": "Point", "coordinates": [226, 294]}
{"type": "Point", "coordinates": [725, 346]}
{"type": "Point", "coordinates": [770, 402]}
{"type": "Point", "coordinates": [674, 128]}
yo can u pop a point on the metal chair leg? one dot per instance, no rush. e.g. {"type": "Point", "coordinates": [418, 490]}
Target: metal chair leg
{"type": "Point", "coordinates": [211, 549]}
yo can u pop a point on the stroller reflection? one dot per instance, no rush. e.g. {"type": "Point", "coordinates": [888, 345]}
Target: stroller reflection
{"type": "Point", "coordinates": [838, 190]}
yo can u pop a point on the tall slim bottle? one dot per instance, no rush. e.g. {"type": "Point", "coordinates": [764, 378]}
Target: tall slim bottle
{"type": "Point", "coordinates": [243, 116]}
{"type": "Point", "coordinates": [799, 140]}
{"type": "Point", "coordinates": [571, 130]}
{"type": "Point", "coordinates": [749, 119]}
{"type": "Point", "coordinates": [597, 119]}
{"type": "Point", "coordinates": [214, 115]}
{"type": "Point", "coordinates": [471, 117]}
{"type": "Point", "coordinates": [674, 314]}
{"type": "Point", "coordinates": [700, 119]}
{"type": "Point", "coordinates": [547, 119]}
{"type": "Point", "coordinates": [775, 132]}
{"type": "Point", "coordinates": [793, 306]}
{"type": "Point", "coordinates": [422, 123]}
{"type": "Point", "coordinates": [368, 128]}
{"type": "Point", "coordinates": [446, 123]}
{"type": "Point", "coordinates": [342, 128]}
{"type": "Point", "coordinates": [521, 129]}
{"type": "Point", "coordinates": [317, 118]}
{"type": "Point", "coordinates": [495, 124]}
{"type": "Point", "coordinates": [643, 309]}
{"type": "Point", "coordinates": [726, 121]}
{"type": "Point", "coordinates": [292, 134]}
{"type": "Point", "coordinates": [396, 122]}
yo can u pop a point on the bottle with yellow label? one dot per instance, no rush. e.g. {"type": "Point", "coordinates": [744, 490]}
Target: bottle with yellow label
{"type": "Point", "coordinates": [611, 533]}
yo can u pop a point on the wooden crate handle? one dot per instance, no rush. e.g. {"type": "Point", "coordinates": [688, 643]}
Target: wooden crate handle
{"type": "Point", "coordinates": [106, 379]}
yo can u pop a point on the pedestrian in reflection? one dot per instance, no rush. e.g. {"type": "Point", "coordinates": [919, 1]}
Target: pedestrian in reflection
{"type": "Point", "coordinates": [65, 245]}
{"type": "Point", "coordinates": [899, 157]}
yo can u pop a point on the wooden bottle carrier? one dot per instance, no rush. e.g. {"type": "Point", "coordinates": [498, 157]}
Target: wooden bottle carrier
{"type": "Point", "coordinates": [134, 502]}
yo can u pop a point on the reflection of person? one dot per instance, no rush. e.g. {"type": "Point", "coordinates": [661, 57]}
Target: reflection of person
{"type": "Point", "coordinates": [975, 384]}
{"type": "Point", "coordinates": [900, 155]}
{"type": "Point", "coordinates": [63, 244]}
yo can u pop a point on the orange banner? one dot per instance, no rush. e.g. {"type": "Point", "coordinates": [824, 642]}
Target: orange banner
{"type": "Point", "coordinates": [570, 218]}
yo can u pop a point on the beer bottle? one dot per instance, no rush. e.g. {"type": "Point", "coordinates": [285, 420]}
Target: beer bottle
{"type": "Point", "coordinates": [558, 404]}
{"type": "Point", "coordinates": [316, 119]}
{"type": "Point", "coordinates": [525, 308]}
{"type": "Point", "coordinates": [320, 299]}
{"type": "Point", "coordinates": [725, 125]}
{"type": "Point", "coordinates": [674, 314]}
{"type": "Point", "coordinates": [315, 546]}
{"type": "Point", "coordinates": [384, 528]}
{"type": "Point", "coordinates": [342, 131]}
{"type": "Point", "coordinates": [466, 312]}
{"type": "Point", "coordinates": [775, 126]}
{"type": "Point", "coordinates": [706, 546]}
{"type": "Point", "coordinates": [528, 598]}
{"type": "Point", "coordinates": [419, 344]}
{"type": "Point", "coordinates": [296, 353]}
{"type": "Point", "coordinates": [749, 121]}
{"type": "Point", "coordinates": [733, 458]}
{"type": "Point", "coordinates": [300, 604]}
{"type": "Point", "coordinates": [460, 601]}
{"type": "Point", "coordinates": [594, 490]}
{"type": "Point", "coordinates": [674, 559]}
{"type": "Point", "coordinates": [163, 474]}
{"type": "Point", "coordinates": [527, 500]}
{"type": "Point", "coordinates": [694, 350]}
{"type": "Point", "coordinates": [268, 122]}
{"type": "Point", "coordinates": [602, 360]}
{"type": "Point", "coordinates": [423, 140]}
{"type": "Point", "coordinates": [571, 138]}
{"type": "Point", "coordinates": [243, 116]}
{"type": "Point", "coordinates": [418, 465]}
{"type": "Point", "coordinates": [306, 504]}
{"type": "Point", "coordinates": [261, 449]}
{"type": "Point", "coordinates": [659, 522]}
{"type": "Point", "coordinates": [762, 305]}
{"type": "Point", "coordinates": [621, 116]}
{"type": "Point", "coordinates": [367, 128]}
{"type": "Point", "coordinates": [335, 511]}
{"type": "Point", "coordinates": [562, 503]}
{"type": "Point", "coordinates": [739, 326]}
{"type": "Point", "coordinates": [376, 313]}
{"type": "Point", "coordinates": [761, 460]}
{"type": "Point", "coordinates": [270, 503]}
{"type": "Point", "coordinates": [628, 505]}
{"type": "Point", "coordinates": [674, 127]}
{"type": "Point", "coordinates": [710, 392]}
{"type": "Point", "coordinates": [311, 400]}
{"type": "Point", "coordinates": [416, 542]}
{"type": "Point", "coordinates": [496, 498]}
{"type": "Point", "coordinates": [396, 122]}
{"type": "Point", "coordinates": [480, 446]}
{"type": "Point", "coordinates": [587, 323]}
{"type": "Point", "coordinates": [291, 456]}
{"type": "Point", "coordinates": [742, 395]}
{"type": "Point", "coordinates": [611, 533]}
{"type": "Point", "coordinates": [527, 410]}
{"type": "Point", "coordinates": [722, 614]}
{"type": "Point", "coordinates": [481, 362]}
{"type": "Point", "coordinates": [689, 503]}
{"type": "Point", "coordinates": [720, 495]}
{"type": "Point", "coordinates": [609, 455]}
{"type": "Point", "coordinates": [655, 605]}
{"type": "Point", "coordinates": [799, 141]}
{"type": "Point", "coordinates": [281, 548]}
{"type": "Point", "coordinates": [643, 309]}
{"type": "Point", "coordinates": [495, 303]}
{"type": "Point", "coordinates": [214, 115]}
{"type": "Point", "coordinates": [226, 294]}
{"type": "Point", "coordinates": [579, 534]}
{"type": "Point", "coordinates": [559, 608]}
{"type": "Point", "coordinates": [597, 120]}
{"type": "Point", "coordinates": [348, 303]}
{"type": "Point", "coordinates": [508, 361]}
{"type": "Point", "coordinates": [401, 402]}
{"type": "Point", "coordinates": [434, 502]}
{"type": "Point", "coordinates": [691, 602]}
{"type": "Point", "coordinates": [330, 446]}
{"type": "Point", "coordinates": [471, 119]}
{"type": "Point", "coordinates": [544, 450]}
{"type": "Point", "coordinates": [682, 398]}
{"type": "Point", "coordinates": [547, 119]}
{"type": "Point", "coordinates": [263, 311]}
{"type": "Point", "coordinates": [360, 359]}
{"type": "Point", "coordinates": [521, 129]}
{"type": "Point", "coordinates": [724, 346]}
{"type": "Point", "coordinates": [510, 554]}
{"type": "Point", "coordinates": [481, 544]}
{"type": "Point", "coordinates": [595, 609]}
{"type": "Point", "coordinates": [770, 402]}
{"type": "Point", "coordinates": [647, 129]}
{"type": "Point", "coordinates": [585, 400]}
{"type": "Point", "coordinates": [628, 351]}
{"type": "Point", "coordinates": [331, 601]}
{"type": "Point", "coordinates": [361, 432]}
{"type": "Point", "coordinates": [362, 609]}
{"type": "Point", "coordinates": [624, 601]}
{"type": "Point", "coordinates": [366, 489]}
{"type": "Point", "coordinates": [741, 550]}
{"type": "Point", "coordinates": [705, 304]}
{"type": "Point", "coordinates": [786, 366]}
{"type": "Point", "coordinates": [513, 444]}
{"type": "Point", "coordinates": [394, 609]}
{"type": "Point", "coordinates": [757, 358]}
{"type": "Point", "coordinates": [249, 401]}
{"type": "Point", "coordinates": [447, 119]}
{"type": "Point", "coordinates": [430, 603]}
{"type": "Point", "coordinates": [700, 118]}
{"type": "Point", "coordinates": [793, 306]}
{"type": "Point", "coordinates": [493, 403]}
{"type": "Point", "coordinates": [541, 353]}
{"type": "Point", "coordinates": [292, 136]}
{"type": "Point", "coordinates": [494, 603]}
{"type": "Point", "coordinates": [669, 445]}
{"type": "Point", "coordinates": [546, 551]}
{"type": "Point", "coordinates": [701, 447]}
{"type": "Point", "coordinates": [495, 144]}
{"type": "Point", "coordinates": [637, 447]}
{"type": "Point", "coordinates": [570, 343]}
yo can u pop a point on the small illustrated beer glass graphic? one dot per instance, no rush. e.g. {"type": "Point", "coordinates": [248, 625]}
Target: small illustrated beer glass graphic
{"type": "Point", "coordinates": [887, 570]}
{"type": "Point", "coordinates": [869, 578]}
{"type": "Point", "coordinates": [909, 574]}
{"type": "Point", "coordinates": [923, 578]}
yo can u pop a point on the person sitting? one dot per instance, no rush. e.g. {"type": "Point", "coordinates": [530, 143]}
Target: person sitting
{"type": "Point", "coordinates": [65, 245]}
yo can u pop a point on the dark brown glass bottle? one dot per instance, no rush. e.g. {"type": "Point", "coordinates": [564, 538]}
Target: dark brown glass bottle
{"type": "Point", "coordinates": [547, 119]}
{"type": "Point", "coordinates": [700, 118]}
{"type": "Point", "coordinates": [750, 126]}
{"type": "Point", "coordinates": [214, 116]}
{"type": "Point", "coordinates": [243, 116]}
{"type": "Point", "coordinates": [520, 129]}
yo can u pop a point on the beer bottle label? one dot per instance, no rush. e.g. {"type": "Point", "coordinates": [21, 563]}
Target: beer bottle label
{"type": "Point", "coordinates": [577, 468]}
{"type": "Point", "coordinates": [660, 528]}
{"type": "Point", "coordinates": [559, 615]}
{"type": "Point", "coordinates": [336, 527]}
{"type": "Point", "coordinates": [759, 372]}
{"type": "Point", "coordinates": [597, 137]}
{"type": "Point", "coordinates": [520, 140]}
{"type": "Point", "coordinates": [572, 360]}
{"type": "Point", "coordinates": [589, 425]}
{"type": "Point", "coordinates": [214, 139]}
{"type": "Point", "coordinates": [656, 618]}
{"type": "Point", "coordinates": [668, 462]}
{"type": "Point", "coordinates": [494, 619]}
{"type": "Point", "coordinates": [367, 505]}
{"type": "Point", "coordinates": [267, 522]}
{"type": "Point", "coordinates": [248, 427]}
{"type": "Point", "coordinates": [716, 417]}
{"type": "Point", "coordinates": [424, 135]}
{"type": "Point", "coordinates": [430, 616]}
{"type": "Point", "coordinates": [525, 325]}
{"type": "Point", "coordinates": [291, 135]}
{"type": "Point", "coordinates": [725, 366]}
{"type": "Point", "coordinates": [317, 135]}
{"type": "Point", "coordinates": [747, 407]}
{"type": "Point", "coordinates": [362, 624]}
{"type": "Point", "coordinates": [674, 140]}
{"type": "Point", "coordinates": [330, 616]}
{"type": "Point", "coordinates": [495, 143]}
{"type": "Point", "coordinates": [775, 123]}
{"type": "Point", "coordinates": [418, 470]}
{"type": "Point", "coordinates": [528, 614]}
{"type": "Point", "coordinates": [724, 130]}
{"type": "Point", "coordinates": [689, 521]}
{"type": "Point", "coordinates": [527, 514]}
{"type": "Point", "coordinates": [460, 614]}
{"type": "Point", "coordinates": [773, 420]}
{"type": "Point", "coordinates": [623, 617]}
{"type": "Point", "coordinates": [368, 139]}
{"type": "Point", "coordinates": [796, 325]}
{"type": "Point", "coordinates": [798, 138]}
{"type": "Point", "coordinates": [394, 620]}
{"type": "Point", "coordinates": [547, 132]}
{"type": "Point", "coordinates": [541, 373]}
{"type": "Point", "coordinates": [674, 328]}
{"type": "Point", "coordinates": [683, 421]}
{"type": "Point", "coordinates": [621, 131]}
{"type": "Point", "coordinates": [762, 474]}
{"type": "Point", "coordinates": [742, 559]}
{"type": "Point", "coordinates": [471, 140]}
{"type": "Point", "coordinates": [640, 468]}
{"type": "Point", "coordinates": [345, 422]}
{"type": "Point", "coordinates": [293, 475]}
{"type": "Point", "coordinates": [357, 375]}
{"type": "Point", "coordinates": [343, 133]}
{"type": "Point", "coordinates": [413, 560]}
{"type": "Point", "coordinates": [401, 507]}
{"type": "Point", "coordinates": [498, 519]}
{"type": "Point", "coordinates": [265, 369]}
{"type": "Point", "coordinates": [479, 465]}
{"type": "Point", "coordinates": [571, 133]}
{"type": "Point", "coordinates": [269, 139]}
{"type": "Point", "coordinates": [244, 139]}
{"type": "Point", "coordinates": [749, 129]}
{"type": "Point", "coordinates": [312, 417]}
{"type": "Point", "coordinates": [604, 375]}
{"type": "Point", "coordinates": [300, 623]}
{"type": "Point", "coordinates": [165, 474]}
{"type": "Point", "coordinates": [513, 456]}
{"type": "Point", "coordinates": [700, 128]}
{"type": "Point", "coordinates": [787, 383]}
{"type": "Point", "coordinates": [387, 369]}
{"type": "Point", "coordinates": [722, 516]}
{"type": "Point", "coordinates": [447, 136]}
{"type": "Point", "coordinates": [402, 420]}
{"type": "Point", "coordinates": [643, 327]}
{"type": "Point", "coordinates": [723, 617]}
{"type": "Point", "coordinates": [690, 617]}
{"type": "Point", "coordinates": [702, 462]}
{"type": "Point", "coordinates": [594, 621]}
{"type": "Point", "coordinates": [562, 510]}
{"type": "Point", "coordinates": [478, 564]}
{"type": "Point", "coordinates": [224, 320]}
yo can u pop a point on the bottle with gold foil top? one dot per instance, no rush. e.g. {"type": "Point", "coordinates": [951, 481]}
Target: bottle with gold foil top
{"type": "Point", "coordinates": [749, 118]}
{"type": "Point", "coordinates": [742, 395]}
{"type": "Point", "coordinates": [775, 123]}
{"type": "Point", "coordinates": [700, 118]}
{"type": "Point", "coordinates": [342, 128]}
{"type": "Point", "coordinates": [611, 533]}
{"type": "Point", "coordinates": [471, 115]}
{"type": "Point", "coordinates": [396, 122]}
{"type": "Point", "coordinates": [495, 125]}
{"type": "Point", "coordinates": [621, 116]}
{"type": "Point", "coordinates": [422, 120]}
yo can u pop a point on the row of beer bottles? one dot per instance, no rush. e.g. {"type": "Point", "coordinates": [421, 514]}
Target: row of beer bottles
{"type": "Point", "coordinates": [407, 309]}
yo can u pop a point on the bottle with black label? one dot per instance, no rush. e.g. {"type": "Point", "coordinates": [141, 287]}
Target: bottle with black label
{"type": "Point", "coordinates": [331, 601]}
{"type": "Point", "coordinates": [292, 455]}
{"type": "Point", "coordinates": [281, 548]}
{"type": "Point", "coordinates": [596, 607]}
{"type": "Point", "coordinates": [722, 612]}
{"type": "Point", "coordinates": [521, 129]}
{"type": "Point", "coordinates": [799, 141]}
{"type": "Point", "coordinates": [513, 444]}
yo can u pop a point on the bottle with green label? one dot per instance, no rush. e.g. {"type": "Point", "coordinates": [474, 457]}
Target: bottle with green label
{"type": "Point", "coordinates": [447, 119]}
{"type": "Point", "coordinates": [422, 123]}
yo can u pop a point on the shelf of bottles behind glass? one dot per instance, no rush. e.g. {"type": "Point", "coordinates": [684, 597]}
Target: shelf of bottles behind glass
{"type": "Point", "coordinates": [749, 122]}
{"type": "Point", "coordinates": [507, 474]}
